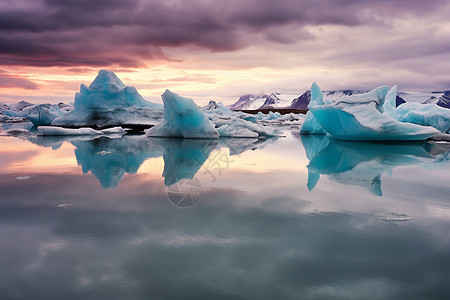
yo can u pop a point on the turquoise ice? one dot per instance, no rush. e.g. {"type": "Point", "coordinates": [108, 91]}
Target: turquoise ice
{"type": "Point", "coordinates": [361, 118]}
{"type": "Point", "coordinates": [107, 102]}
{"type": "Point", "coordinates": [182, 118]}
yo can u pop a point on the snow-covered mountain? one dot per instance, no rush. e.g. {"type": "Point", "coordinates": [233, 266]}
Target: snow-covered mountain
{"type": "Point", "coordinates": [439, 98]}
{"type": "Point", "coordinates": [278, 100]}
{"type": "Point", "coordinates": [302, 101]}
{"type": "Point", "coordinates": [444, 100]}
{"type": "Point", "coordinates": [249, 102]}
{"type": "Point", "coordinates": [292, 101]}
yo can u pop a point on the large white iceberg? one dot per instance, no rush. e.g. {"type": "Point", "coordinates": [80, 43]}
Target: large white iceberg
{"type": "Point", "coordinates": [425, 114]}
{"type": "Point", "coordinates": [107, 102]}
{"type": "Point", "coordinates": [361, 117]}
{"type": "Point", "coordinates": [182, 118]}
{"type": "Point", "coordinates": [245, 129]}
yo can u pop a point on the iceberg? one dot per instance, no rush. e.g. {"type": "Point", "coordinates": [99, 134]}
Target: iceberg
{"type": "Point", "coordinates": [310, 125]}
{"type": "Point", "coordinates": [245, 129]}
{"type": "Point", "coordinates": [107, 102]}
{"type": "Point", "coordinates": [10, 119]}
{"type": "Point", "coordinates": [43, 114]}
{"type": "Point", "coordinates": [221, 115]}
{"type": "Point", "coordinates": [20, 105]}
{"type": "Point", "coordinates": [360, 117]}
{"type": "Point", "coordinates": [425, 114]}
{"type": "Point", "coordinates": [182, 118]}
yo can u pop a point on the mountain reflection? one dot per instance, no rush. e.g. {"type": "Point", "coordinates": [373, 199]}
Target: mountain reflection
{"type": "Point", "coordinates": [363, 163]}
{"type": "Point", "coordinates": [110, 157]}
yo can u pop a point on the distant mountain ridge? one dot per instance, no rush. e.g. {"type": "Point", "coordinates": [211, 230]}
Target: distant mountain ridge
{"type": "Point", "coordinates": [280, 101]}
{"type": "Point", "coordinates": [444, 100]}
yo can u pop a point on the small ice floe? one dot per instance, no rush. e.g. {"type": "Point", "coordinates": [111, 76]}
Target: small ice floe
{"type": "Point", "coordinates": [23, 177]}
{"type": "Point", "coordinates": [104, 153]}
{"type": "Point", "coordinates": [117, 129]}
{"type": "Point", "coordinates": [441, 137]}
{"type": "Point", "coordinates": [65, 205]}
{"type": "Point", "coordinates": [392, 217]}
{"type": "Point", "coordinates": [53, 130]}
{"type": "Point", "coordinates": [18, 131]}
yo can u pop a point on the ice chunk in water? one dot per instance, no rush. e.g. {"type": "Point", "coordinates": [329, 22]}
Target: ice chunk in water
{"type": "Point", "coordinates": [182, 118]}
{"type": "Point", "coordinates": [361, 117]}
{"type": "Point", "coordinates": [425, 114]}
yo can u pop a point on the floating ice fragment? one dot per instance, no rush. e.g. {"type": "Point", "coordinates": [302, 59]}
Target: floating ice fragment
{"type": "Point", "coordinates": [26, 177]}
{"type": "Point", "coordinates": [18, 131]}
{"type": "Point", "coordinates": [65, 205]}
{"type": "Point", "coordinates": [241, 128]}
{"type": "Point", "coordinates": [113, 130]}
{"type": "Point", "coordinates": [53, 130]}
{"type": "Point", "coordinates": [104, 153]}
{"type": "Point", "coordinates": [392, 217]}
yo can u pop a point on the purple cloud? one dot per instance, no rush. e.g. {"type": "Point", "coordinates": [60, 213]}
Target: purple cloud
{"type": "Point", "coordinates": [8, 81]}
{"type": "Point", "coordinates": [126, 33]}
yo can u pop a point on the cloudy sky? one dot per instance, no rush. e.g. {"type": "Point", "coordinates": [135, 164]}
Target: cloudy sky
{"type": "Point", "coordinates": [214, 49]}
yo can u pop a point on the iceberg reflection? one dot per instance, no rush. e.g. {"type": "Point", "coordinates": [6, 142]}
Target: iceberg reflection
{"type": "Point", "coordinates": [183, 157]}
{"type": "Point", "coordinates": [361, 163]}
{"type": "Point", "coordinates": [110, 157]}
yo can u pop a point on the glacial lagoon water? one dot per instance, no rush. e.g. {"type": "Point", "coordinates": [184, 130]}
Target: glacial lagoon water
{"type": "Point", "coordinates": [298, 217]}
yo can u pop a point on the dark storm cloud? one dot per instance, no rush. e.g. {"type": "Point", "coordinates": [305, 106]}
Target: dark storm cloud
{"type": "Point", "coordinates": [124, 33]}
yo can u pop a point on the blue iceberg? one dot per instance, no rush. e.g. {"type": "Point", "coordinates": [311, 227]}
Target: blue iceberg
{"type": "Point", "coordinates": [310, 124]}
{"type": "Point", "coordinates": [361, 118]}
{"type": "Point", "coordinates": [107, 102]}
{"type": "Point", "coordinates": [425, 114]}
{"type": "Point", "coordinates": [182, 118]}
{"type": "Point", "coordinates": [244, 129]}
{"type": "Point", "coordinates": [44, 114]}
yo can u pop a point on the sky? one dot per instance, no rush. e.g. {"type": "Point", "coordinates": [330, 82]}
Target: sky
{"type": "Point", "coordinates": [215, 49]}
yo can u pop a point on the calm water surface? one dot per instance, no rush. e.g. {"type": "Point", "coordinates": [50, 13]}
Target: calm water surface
{"type": "Point", "coordinates": [288, 218]}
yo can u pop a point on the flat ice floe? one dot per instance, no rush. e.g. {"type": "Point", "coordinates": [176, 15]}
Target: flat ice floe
{"type": "Point", "coordinates": [245, 129]}
{"type": "Point", "coordinates": [53, 130]}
